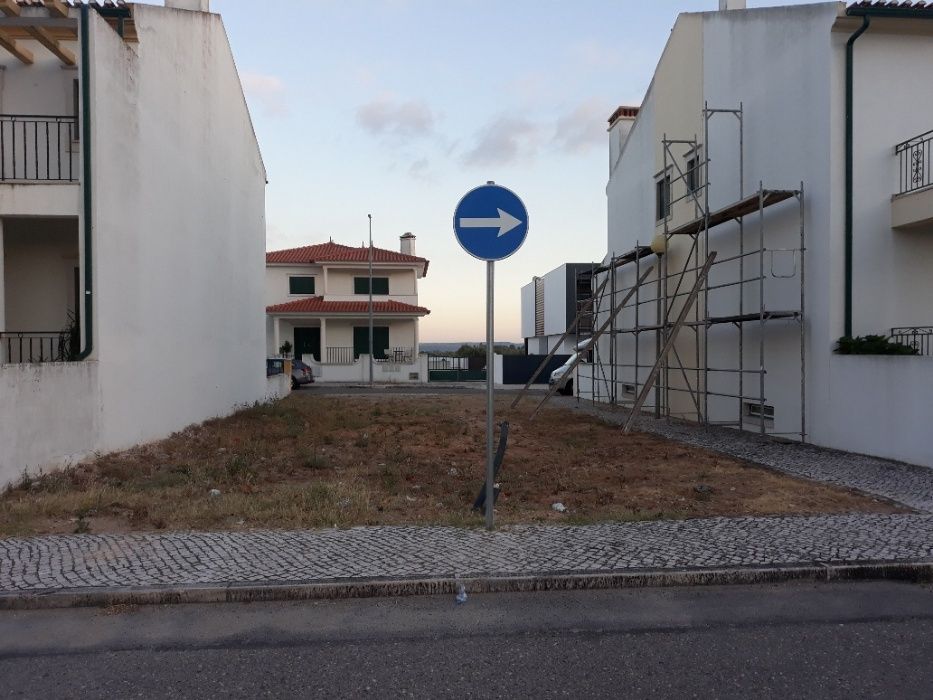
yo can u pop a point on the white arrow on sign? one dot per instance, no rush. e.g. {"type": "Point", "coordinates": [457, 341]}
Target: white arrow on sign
{"type": "Point", "coordinates": [505, 222]}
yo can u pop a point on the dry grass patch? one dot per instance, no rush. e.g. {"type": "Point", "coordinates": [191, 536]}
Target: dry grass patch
{"type": "Point", "coordinates": [311, 461]}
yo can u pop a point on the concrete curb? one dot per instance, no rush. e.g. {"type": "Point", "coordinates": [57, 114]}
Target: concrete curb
{"type": "Point", "coordinates": [912, 572]}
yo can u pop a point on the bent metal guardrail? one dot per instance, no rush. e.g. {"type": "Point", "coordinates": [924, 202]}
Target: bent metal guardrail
{"type": "Point", "coordinates": [915, 170]}
{"type": "Point", "coordinates": [36, 147]}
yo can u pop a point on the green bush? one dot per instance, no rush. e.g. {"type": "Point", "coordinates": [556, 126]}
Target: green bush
{"type": "Point", "coordinates": [872, 345]}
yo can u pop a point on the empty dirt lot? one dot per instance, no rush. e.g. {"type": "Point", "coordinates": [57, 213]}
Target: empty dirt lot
{"type": "Point", "coordinates": [316, 460]}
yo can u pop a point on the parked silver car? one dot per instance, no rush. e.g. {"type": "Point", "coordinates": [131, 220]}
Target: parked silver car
{"type": "Point", "coordinates": [301, 374]}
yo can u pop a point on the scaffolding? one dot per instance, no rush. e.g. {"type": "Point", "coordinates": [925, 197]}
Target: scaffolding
{"type": "Point", "coordinates": [716, 283]}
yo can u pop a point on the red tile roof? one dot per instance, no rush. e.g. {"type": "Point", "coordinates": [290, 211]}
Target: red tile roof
{"type": "Point", "coordinates": [317, 305]}
{"type": "Point", "coordinates": [334, 252]}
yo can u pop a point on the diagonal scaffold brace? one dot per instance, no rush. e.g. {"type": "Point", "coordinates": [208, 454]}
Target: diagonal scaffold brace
{"type": "Point", "coordinates": [669, 343]}
{"type": "Point", "coordinates": [592, 341]}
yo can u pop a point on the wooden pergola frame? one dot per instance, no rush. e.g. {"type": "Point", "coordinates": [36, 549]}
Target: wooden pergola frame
{"type": "Point", "coordinates": [50, 24]}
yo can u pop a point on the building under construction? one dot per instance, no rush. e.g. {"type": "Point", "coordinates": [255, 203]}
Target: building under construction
{"type": "Point", "coordinates": [772, 194]}
{"type": "Point", "coordinates": [687, 320]}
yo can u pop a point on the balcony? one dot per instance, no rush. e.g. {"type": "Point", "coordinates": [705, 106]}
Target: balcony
{"type": "Point", "coordinates": [918, 337]}
{"type": "Point", "coordinates": [912, 206]}
{"type": "Point", "coordinates": [38, 148]}
{"type": "Point", "coordinates": [22, 347]}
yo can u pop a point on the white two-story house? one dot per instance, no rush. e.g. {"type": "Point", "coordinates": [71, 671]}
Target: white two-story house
{"type": "Point", "coordinates": [793, 144]}
{"type": "Point", "coordinates": [132, 229]}
{"type": "Point", "coordinates": [318, 309]}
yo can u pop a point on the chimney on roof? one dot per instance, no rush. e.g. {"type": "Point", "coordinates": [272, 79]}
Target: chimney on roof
{"type": "Point", "coordinates": [193, 5]}
{"type": "Point", "coordinates": [620, 126]}
{"type": "Point", "coordinates": [407, 246]}
{"type": "Point", "coordinates": [731, 4]}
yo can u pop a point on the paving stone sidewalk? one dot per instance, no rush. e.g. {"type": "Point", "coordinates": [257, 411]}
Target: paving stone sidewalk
{"type": "Point", "coordinates": [70, 562]}
{"type": "Point", "coordinates": [908, 484]}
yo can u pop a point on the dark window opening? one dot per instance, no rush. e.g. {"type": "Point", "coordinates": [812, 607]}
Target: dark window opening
{"type": "Point", "coordinates": [663, 197]}
{"type": "Point", "coordinates": [301, 285]}
{"type": "Point", "coordinates": [692, 175]}
{"type": "Point", "coordinates": [361, 341]}
{"type": "Point", "coordinates": [361, 285]}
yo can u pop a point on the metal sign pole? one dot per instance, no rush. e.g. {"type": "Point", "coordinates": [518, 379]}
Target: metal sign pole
{"type": "Point", "coordinates": [490, 223]}
{"type": "Point", "coordinates": [490, 397]}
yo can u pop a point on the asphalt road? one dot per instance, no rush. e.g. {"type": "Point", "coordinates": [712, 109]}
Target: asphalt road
{"type": "Point", "coordinates": [826, 641]}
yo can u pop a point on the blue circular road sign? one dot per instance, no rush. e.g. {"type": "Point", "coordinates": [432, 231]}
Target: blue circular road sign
{"type": "Point", "coordinates": [491, 222]}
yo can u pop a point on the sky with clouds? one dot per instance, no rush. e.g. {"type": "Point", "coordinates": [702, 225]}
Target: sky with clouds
{"type": "Point", "coordinates": [396, 108]}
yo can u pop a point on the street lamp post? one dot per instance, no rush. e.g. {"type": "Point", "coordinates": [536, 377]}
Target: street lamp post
{"type": "Point", "coordinates": [371, 350]}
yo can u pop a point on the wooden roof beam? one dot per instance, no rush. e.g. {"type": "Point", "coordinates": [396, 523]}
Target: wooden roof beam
{"type": "Point", "coordinates": [9, 43]}
{"type": "Point", "coordinates": [11, 8]}
{"type": "Point", "coordinates": [51, 43]}
{"type": "Point", "coordinates": [56, 8]}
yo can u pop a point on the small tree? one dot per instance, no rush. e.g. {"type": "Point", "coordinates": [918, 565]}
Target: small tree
{"type": "Point", "coordinates": [285, 349]}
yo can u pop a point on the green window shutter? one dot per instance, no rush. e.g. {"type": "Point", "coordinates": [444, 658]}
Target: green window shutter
{"type": "Point", "coordinates": [361, 341]}
{"type": "Point", "coordinates": [380, 285]}
{"type": "Point", "coordinates": [301, 285]}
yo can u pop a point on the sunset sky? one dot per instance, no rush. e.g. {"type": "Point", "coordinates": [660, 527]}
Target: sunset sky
{"type": "Point", "coordinates": [399, 107]}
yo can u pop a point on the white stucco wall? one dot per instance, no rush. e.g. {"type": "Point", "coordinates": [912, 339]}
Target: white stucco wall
{"type": "Point", "coordinates": [881, 406]}
{"type": "Point", "coordinates": [51, 416]}
{"type": "Point", "coordinates": [179, 229]}
{"type": "Point", "coordinates": [892, 280]}
{"type": "Point", "coordinates": [42, 87]}
{"type": "Point", "coordinates": [555, 301]}
{"type": "Point", "coordinates": [383, 372]}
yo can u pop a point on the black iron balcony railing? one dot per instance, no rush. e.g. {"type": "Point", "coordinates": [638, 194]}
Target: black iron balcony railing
{"type": "Point", "coordinates": [915, 163]}
{"type": "Point", "coordinates": [17, 347]}
{"type": "Point", "coordinates": [918, 337]}
{"type": "Point", "coordinates": [38, 148]}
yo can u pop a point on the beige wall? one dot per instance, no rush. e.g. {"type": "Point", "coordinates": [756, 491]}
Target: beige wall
{"type": "Point", "coordinates": [336, 283]}
{"type": "Point", "coordinates": [277, 282]}
{"type": "Point", "coordinates": [401, 331]}
{"type": "Point", "coordinates": [340, 281]}
{"type": "Point", "coordinates": [39, 259]}
{"type": "Point", "coordinates": [678, 95]}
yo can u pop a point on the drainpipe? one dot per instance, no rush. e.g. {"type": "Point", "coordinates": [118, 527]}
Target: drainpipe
{"type": "Point", "coordinates": [866, 20]}
{"type": "Point", "coordinates": [893, 11]}
{"type": "Point", "coordinates": [86, 182]}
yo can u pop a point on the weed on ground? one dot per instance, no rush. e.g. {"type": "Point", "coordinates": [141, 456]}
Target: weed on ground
{"type": "Point", "coordinates": [325, 461]}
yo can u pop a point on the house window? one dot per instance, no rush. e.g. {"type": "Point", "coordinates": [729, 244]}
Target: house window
{"type": "Point", "coordinates": [300, 285]}
{"type": "Point", "coordinates": [663, 197]}
{"type": "Point", "coordinates": [361, 285]}
{"type": "Point", "coordinates": [692, 176]}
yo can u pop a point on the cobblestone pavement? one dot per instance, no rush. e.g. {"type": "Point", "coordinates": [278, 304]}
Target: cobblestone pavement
{"type": "Point", "coordinates": [905, 483]}
{"type": "Point", "coordinates": [63, 562]}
